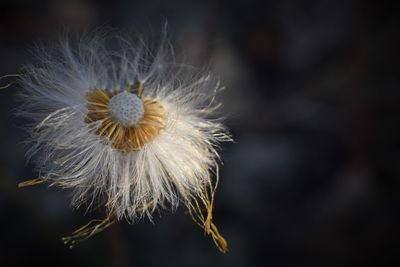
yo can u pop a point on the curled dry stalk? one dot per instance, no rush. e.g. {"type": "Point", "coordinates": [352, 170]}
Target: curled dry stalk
{"type": "Point", "coordinates": [201, 208]}
{"type": "Point", "coordinates": [83, 233]}
{"type": "Point", "coordinates": [94, 227]}
{"type": "Point", "coordinates": [87, 231]}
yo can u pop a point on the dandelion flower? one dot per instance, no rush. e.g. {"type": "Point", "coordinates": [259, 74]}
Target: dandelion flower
{"type": "Point", "coordinates": [127, 130]}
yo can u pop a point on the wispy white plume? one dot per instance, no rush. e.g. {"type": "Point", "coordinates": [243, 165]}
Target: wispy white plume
{"type": "Point", "coordinates": [175, 166]}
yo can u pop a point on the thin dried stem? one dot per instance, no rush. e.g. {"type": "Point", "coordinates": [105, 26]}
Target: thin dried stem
{"type": "Point", "coordinates": [31, 182]}
{"type": "Point", "coordinates": [203, 216]}
{"type": "Point", "coordinates": [87, 231]}
{"type": "Point", "coordinates": [94, 227]}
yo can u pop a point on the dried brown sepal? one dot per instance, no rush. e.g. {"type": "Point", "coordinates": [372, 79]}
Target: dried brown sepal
{"type": "Point", "coordinates": [125, 138]}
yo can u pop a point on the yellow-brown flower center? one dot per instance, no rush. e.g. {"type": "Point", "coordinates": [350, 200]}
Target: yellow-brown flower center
{"type": "Point", "coordinates": [122, 135]}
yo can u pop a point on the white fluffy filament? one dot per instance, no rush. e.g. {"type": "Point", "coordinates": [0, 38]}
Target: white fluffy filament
{"type": "Point", "coordinates": [173, 167]}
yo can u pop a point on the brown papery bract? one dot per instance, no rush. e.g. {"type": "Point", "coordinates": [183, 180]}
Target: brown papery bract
{"type": "Point", "coordinates": [124, 138]}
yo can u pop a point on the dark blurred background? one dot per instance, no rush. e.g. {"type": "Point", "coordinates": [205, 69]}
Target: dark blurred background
{"type": "Point", "coordinates": [312, 101]}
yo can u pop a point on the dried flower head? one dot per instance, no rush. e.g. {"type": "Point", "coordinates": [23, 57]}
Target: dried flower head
{"type": "Point", "coordinates": [127, 130]}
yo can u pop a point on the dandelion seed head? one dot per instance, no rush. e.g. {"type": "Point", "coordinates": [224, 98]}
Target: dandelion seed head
{"type": "Point", "coordinates": [128, 152]}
